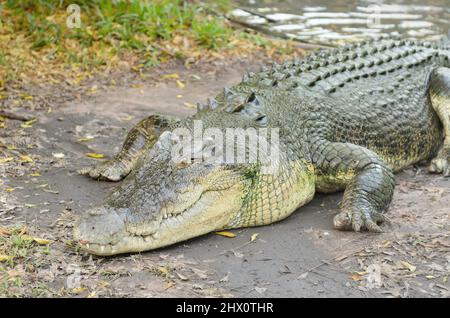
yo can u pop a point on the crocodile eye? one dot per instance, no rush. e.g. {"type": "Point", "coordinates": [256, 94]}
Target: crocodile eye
{"type": "Point", "coordinates": [253, 99]}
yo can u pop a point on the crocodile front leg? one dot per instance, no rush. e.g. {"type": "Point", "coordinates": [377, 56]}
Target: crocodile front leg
{"type": "Point", "coordinates": [440, 99]}
{"type": "Point", "coordinates": [366, 178]}
{"type": "Point", "coordinates": [141, 137]}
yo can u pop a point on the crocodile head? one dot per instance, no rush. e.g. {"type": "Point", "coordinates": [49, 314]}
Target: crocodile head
{"type": "Point", "coordinates": [165, 201]}
{"type": "Point", "coordinates": [172, 196]}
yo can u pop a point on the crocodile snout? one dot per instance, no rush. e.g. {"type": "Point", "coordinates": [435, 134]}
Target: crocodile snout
{"type": "Point", "coordinates": [100, 225]}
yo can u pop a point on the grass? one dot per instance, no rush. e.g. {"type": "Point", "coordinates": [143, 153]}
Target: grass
{"type": "Point", "coordinates": [39, 43]}
{"type": "Point", "coordinates": [131, 23]}
{"type": "Point", "coordinates": [18, 252]}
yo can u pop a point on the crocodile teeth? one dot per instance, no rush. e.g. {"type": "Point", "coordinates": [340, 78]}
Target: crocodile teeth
{"type": "Point", "coordinates": [87, 245]}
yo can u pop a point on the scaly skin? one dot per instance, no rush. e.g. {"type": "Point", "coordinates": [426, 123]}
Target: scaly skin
{"type": "Point", "coordinates": [347, 118]}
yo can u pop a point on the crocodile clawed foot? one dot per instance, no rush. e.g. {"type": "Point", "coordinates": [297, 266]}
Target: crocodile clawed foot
{"type": "Point", "coordinates": [441, 164]}
{"type": "Point", "coordinates": [107, 171]}
{"type": "Point", "coordinates": [357, 220]}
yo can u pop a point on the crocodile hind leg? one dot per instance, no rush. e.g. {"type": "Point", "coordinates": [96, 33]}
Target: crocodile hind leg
{"type": "Point", "coordinates": [141, 137]}
{"type": "Point", "coordinates": [366, 178]}
{"type": "Point", "coordinates": [440, 99]}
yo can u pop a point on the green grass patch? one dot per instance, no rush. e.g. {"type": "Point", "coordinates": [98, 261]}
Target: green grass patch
{"type": "Point", "coordinates": [132, 23]}
{"type": "Point", "coordinates": [21, 255]}
{"type": "Point", "coordinates": [67, 40]}
{"type": "Point", "coordinates": [98, 33]}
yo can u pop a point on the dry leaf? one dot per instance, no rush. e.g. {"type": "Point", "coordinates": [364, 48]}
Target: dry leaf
{"type": "Point", "coordinates": [23, 230]}
{"type": "Point", "coordinates": [92, 294]}
{"type": "Point", "coordinates": [86, 139]}
{"type": "Point", "coordinates": [5, 232]}
{"type": "Point", "coordinates": [78, 290]}
{"type": "Point", "coordinates": [171, 76]}
{"type": "Point", "coordinates": [180, 84]}
{"type": "Point", "coordinates": [95, 155]}
{"type": "Point", "coordinates": [254, 236]}
{"type": "Point", "coordinates": [5, 258]}
{"type": "Point", "coordinates": [26, 159]}
{"type": "Point", "coordinates": [58, 155]}
{"type": "Point", "coordinates": [182, 277]}
{"type": "Point", "coordinates": [356, 277]}
{"type": "Point", "coordinates": [51, 191]}
{"type": "Point", "coordinates": [260, 290]}
{"type": "Point", "coordinates": [226, 234]}
{"type": "Point", "coordinates": [163, 270]}
{"type": "Point", "coordinates": [303, 276]}
{"type": "Point", "coordinates": [170, 285]}
{"type": "Point", "coordinates": [189, 105]}
{"type": "Point", "coordinates": [408, 266]}
{"type": "Point", "coordinates": [26, 237]}
{"type": "Point", "coordinates": [5, 160]}
{"type": "Point", "coordinates": [41, 241]}
{"type": "Point", "coordinates": [362, 273]}
{"type": "Point", "coordinates": [28, 123]}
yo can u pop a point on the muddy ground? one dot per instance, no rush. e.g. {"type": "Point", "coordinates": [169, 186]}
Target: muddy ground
{"type": "Point", "coordinates": [301, 256]}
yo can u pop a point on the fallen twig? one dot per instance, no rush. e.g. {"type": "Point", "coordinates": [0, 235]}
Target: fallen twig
{"type": "Point", "coordinates": [327, 261]}
{"type": "Point", "coordinates": [15, 116]}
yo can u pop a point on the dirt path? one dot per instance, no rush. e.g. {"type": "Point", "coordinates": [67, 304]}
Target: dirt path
{"type": "Point", "coordinates": [301, 256]}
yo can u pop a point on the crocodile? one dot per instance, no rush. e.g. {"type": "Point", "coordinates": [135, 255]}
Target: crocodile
{"type": "Point", "coordinates": [344, 119]}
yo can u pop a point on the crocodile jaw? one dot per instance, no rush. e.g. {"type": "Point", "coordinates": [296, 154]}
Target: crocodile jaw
{"type": "Point", "coordinates": [212, 211]}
